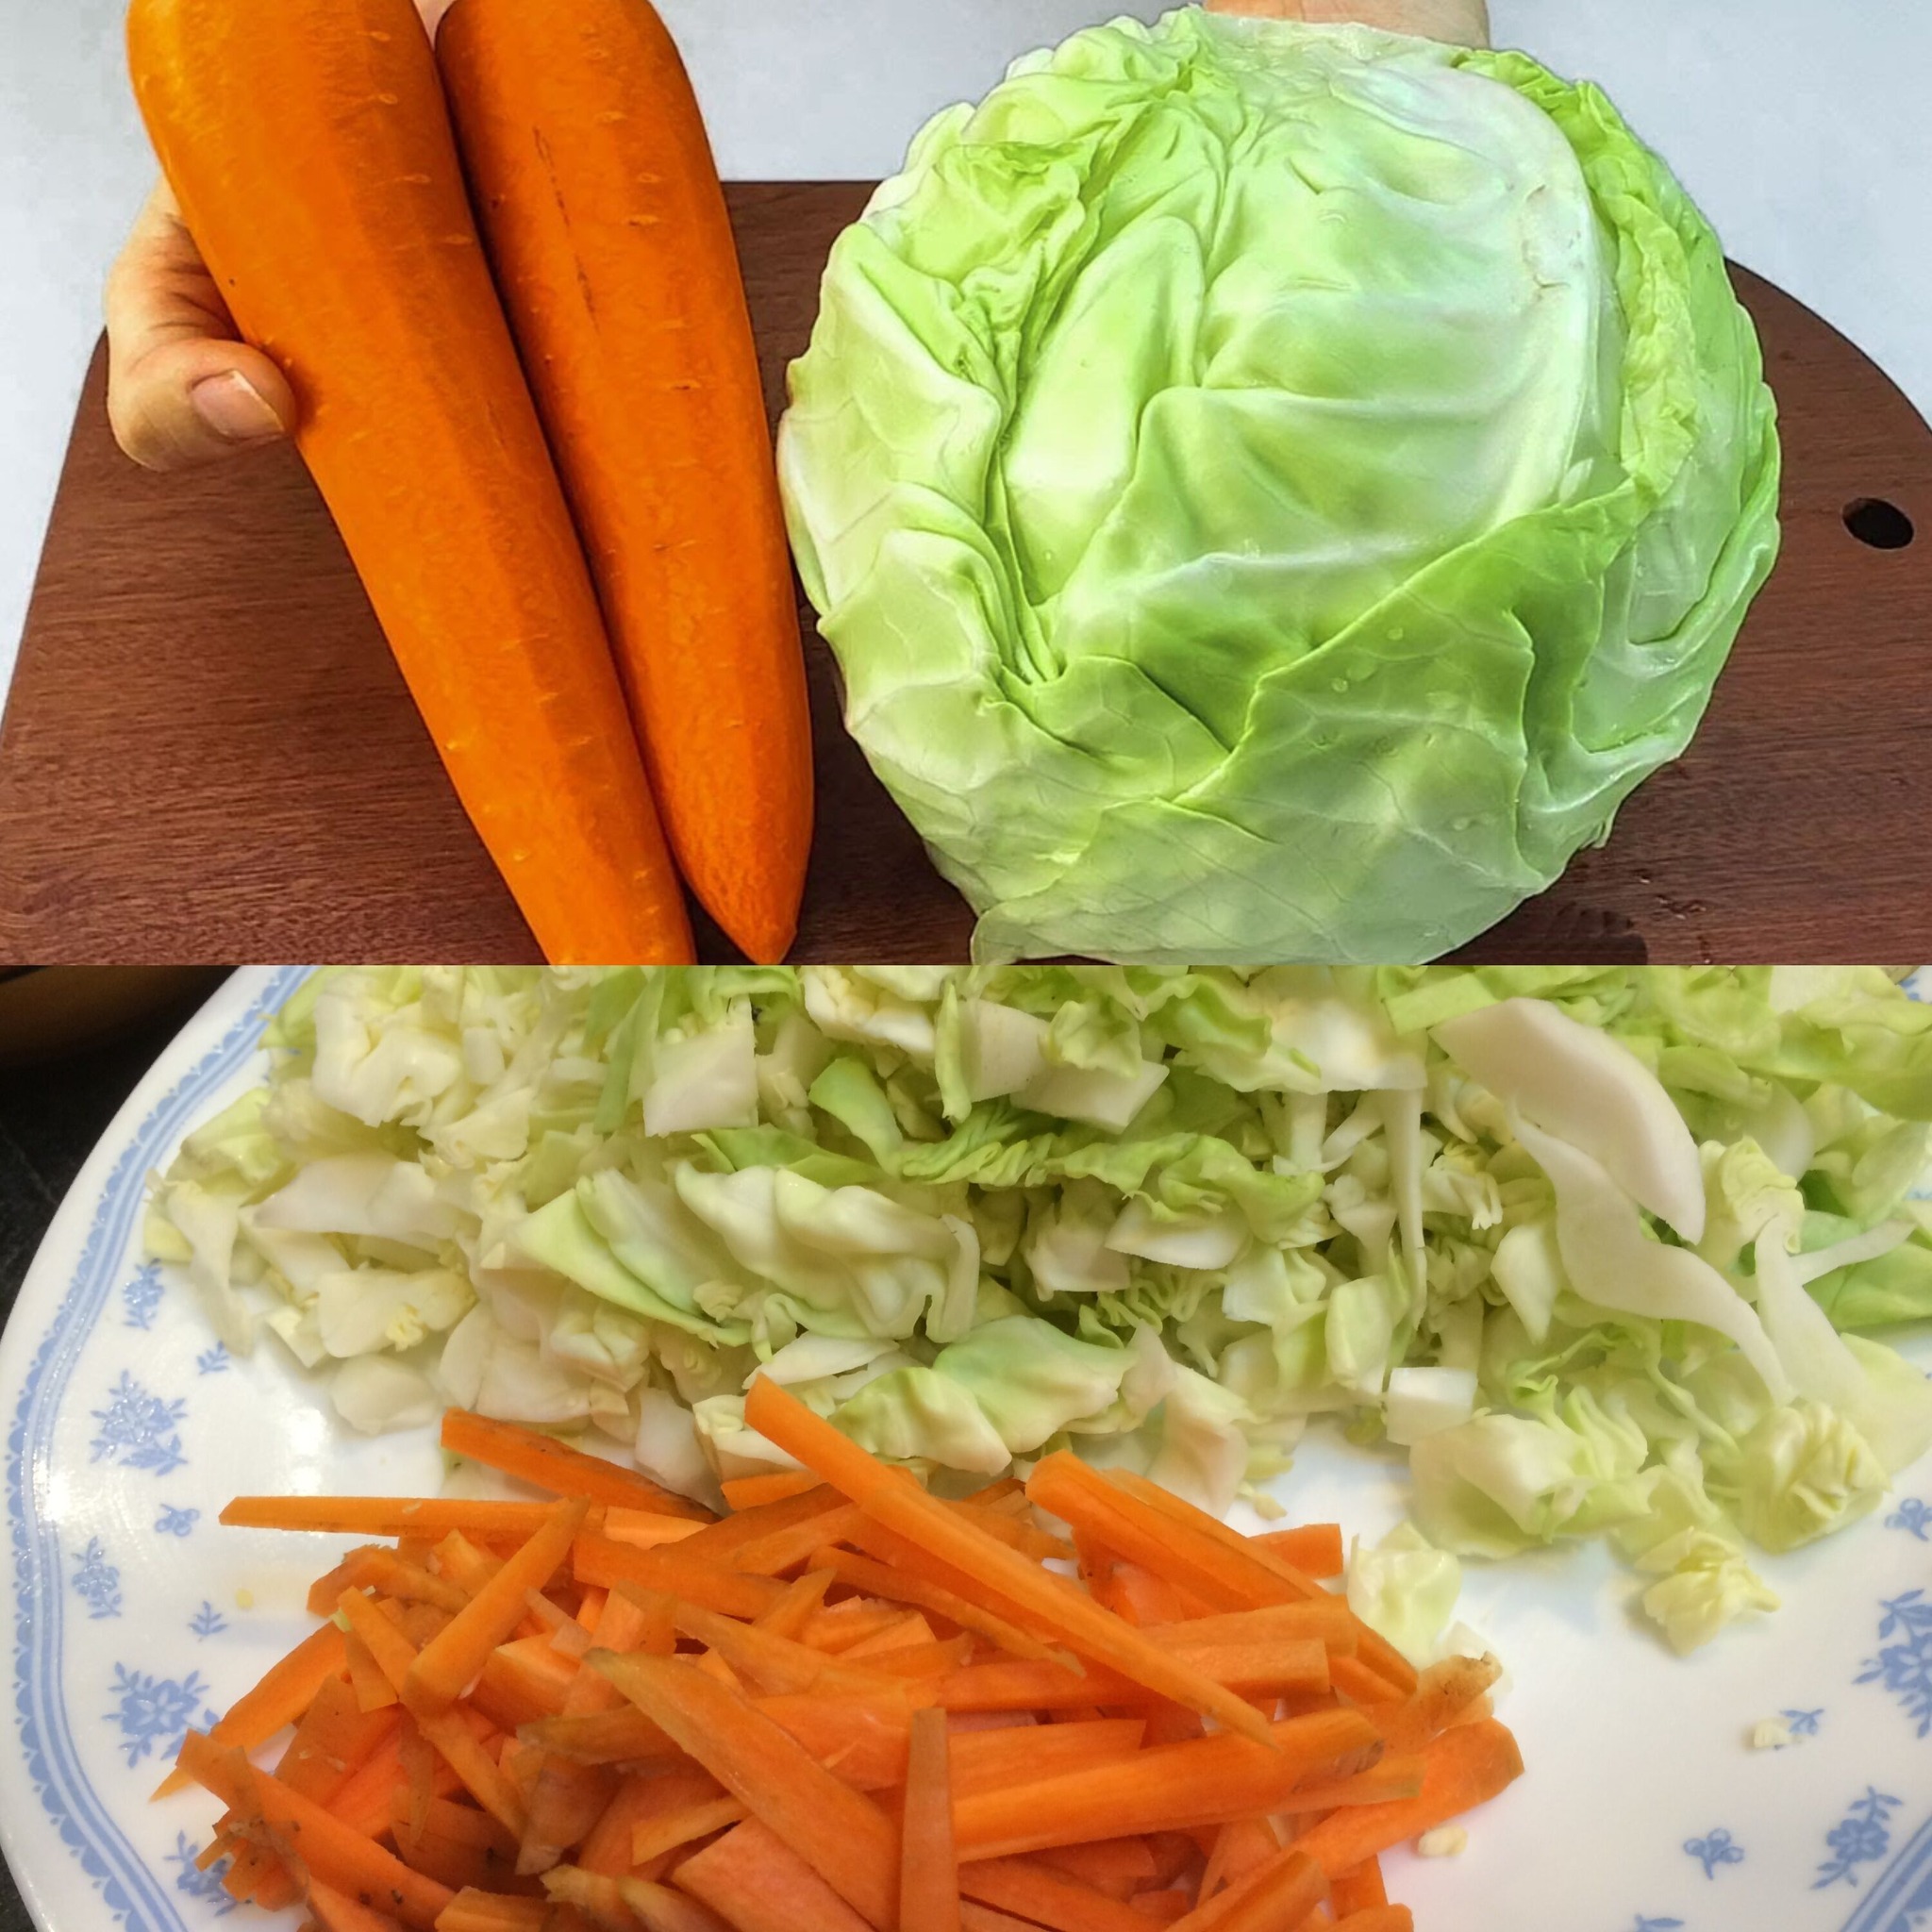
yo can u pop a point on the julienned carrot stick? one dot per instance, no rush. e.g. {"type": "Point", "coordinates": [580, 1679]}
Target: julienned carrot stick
{"type": "Point", "coordinates": [1357, 1890]}
{"type": "Point", "coordinates": [895, 1500]}
{"type": "Point", "coordinates": [929, 1864]}
{"type": "Point", "coordinates": [449, 1731]}
{"type": "Point", "coordinates": [784, 1549]}
{"type": "Point", "coordinates": [438, 1677]}
{"type": "Point", "coordinates": [592, 1895]}
{"type": "Point", "coordinates": [776, 1665]}
{"type": "Point", "coordinates": [862, 1740]}
{"type": "Point", "coordinates": [1315, 1549]}
{"type": "Point", "coordinates": [974, 1917]}
{"type": "Point", "coordinates": [603, 1736]}
{"type": "Point", "coordinates": [1118, 1866]}
{"type": "Point", "coordinates": [760, 1883]}
{"type": "Point", "coordinates": [751, 1491]}
{"type": "Point", "coordinates": [844, 1835]}
{"type": "Point", "coordinates": [658, 1909]}
{"type": "Point", "coordinates": [433, 1517]}
{"type": "Point", "coordinates": [1239, 1846]}
{"type": "Point", "coordinates": [281, 1698]}
{"type": "Point", "coordinates": [616, 266]}
{"type": "Point", "coordinates": [1463, 1768]}
{"type": "Point", "coordinates": [1382, 1918]}
{"type": "Point", "coordinates": [653, 1837]}
{"type": "Point", "coordinates": [333, 1741]}
{"type": "Point", "coordinates": [671, 1571]}
{"type": "Point", "coordinates": [1326, 1620]}
{"type": "Point", "coordinates": [607, 1849]}
{"type": "Point", "coordinates": [876, 1578]}
{"type": "Point", "coordinates": [558, 1468]}
{"type": "Point", "coordinates": [1376, 1651]}
{"type": "Point", "coordinates": [433, 464]}
{"type": "Point", "coordinates": [1173, 1787]}
{"type": "Point", "coordinates": [492, 1911]}
{"type": "Point", "coordinates": [336, 1911]}
{"type": "Point", "coordinates": [719, 1542]}
{"type": "Point", "coordinates": [1045, 1896]}
{"type": "Point", "coordinates": [330, 1850]}
{"type": "Point", "coordinates": [1281, 1891]}
{"type": "Point", "coordinates": [1260, 1668]}
{"type": "Point", "coordinates": [986, 1760]}
{"type": "Point", "coordinates": [1025, 1686]}
{"type": "Point", "coordinates": [1445, 1691]}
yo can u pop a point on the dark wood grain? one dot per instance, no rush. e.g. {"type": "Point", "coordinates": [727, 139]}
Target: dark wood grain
{"type": "Point", "coordinates": [210, 757]}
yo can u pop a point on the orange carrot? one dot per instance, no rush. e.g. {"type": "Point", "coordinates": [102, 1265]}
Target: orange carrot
{"type": "Point", "coordinates": [444, 1667]}
{"type": "Point", "coordinates": [776, 1665]}
{"type": "Point", "coordinates": [1024, 1686]}
{"type": "Point", "coordinates": [654, 1837]}
{"type": "Point", "coordinates": [784, 1549]}
{"type": "Point", "coordinates": [759, 1882]}
{"type": "Point", "coordinates": [357, 1571]}
{"type": "Point", "coordinates": [493, 1911]}
{"type": "Point", "coordinates": [646, 1529]}
{"type": "Point", "coordinates": [1356, 1890]}
{"type": "Point", "coordinates": [1324, 1620]}
{"type": "Point", "coordinates": [616, 266]}
{"type": "Point", "coordinates": [837, 1627]}
{"type": "Point", "coordinates": [373, 1691]}
{"type": "Point", "coordinates": [607, 1850]}
{"type": "Point", "coordinates": [1382, 1918]}
{"type": "Point", "coordinates": [674, 1572]}
{"type": "Point", "coordinates": [1281, 1891]}
{"type": "Point", "coordinates": [1166, 1908]}
{"type": "Point", "coordinates": [281, 1698]}
{"type": "Point", "coordinates": [593, 1894]}
{"type": "Point", "coordinates": [1239, 1845]}
{"type": "Point", "coordinates": [939, 1658]}
{"type": "Point", "coordinates": [330, 1850]}
{"type": "Point", "coordinates": [334, 1738]}
{"type": "Point", "coordinates": [336, 1911]}
{"type": "Point", "coordinates": [449, 1731]}
{"type": "Point", "coordinates": [658, 1909]}
{"type": "Point", "coordinates": [366, 1800]}
{"type": "Point", "coordinates": [1037, 1891]}
{"type": "Point", "coordinates": [1167, 1788]}
{"type": "Point", "coordinates": [928, 1865]}
{"type": "Point", "coordinates": [789, 1615]}
{"type": "Point", "coordinates": [548, 1464]}
{"type": "Point", "coordinates": [893, 1499]}
{"type": "Point", "coordinates": [844, 1836]}
{"type": "Point", "coordinates": [433, 1517]}
{"type": "Point", "coordinates": [1463, 1768]}
{"type": "Point", "coordinates": [1315, 1549]}
{"type": "Point", "coordinates": [1266, 1669]}
{"type": "Point", "coordinates": [974, 1917]}
{"type": "Point", "coordinates": [861, 1740]}
{"type": "Point", "coordinates": [863, 1572]}
{"type": "Point", "coordinates": [721, 1539]}
{"type": "Point", "coordinates": [1118, 1866]}
{"type": "Point", "coordinates": [434, 466]}
{"type": "Point", "coordinates": [745, 1492]}
{"type": "Point", "coordinates": [1446, 1690]}
{"type": "Point", "coordinates": [989, 1760]}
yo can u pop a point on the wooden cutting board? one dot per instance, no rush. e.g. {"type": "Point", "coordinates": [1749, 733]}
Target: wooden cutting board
{"type": "Point", "coordinates": [208, 756]}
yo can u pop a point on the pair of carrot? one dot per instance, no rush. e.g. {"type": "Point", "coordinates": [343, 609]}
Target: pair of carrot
{"type": "Point", "coordinates": [309, 146]}
{"type": "Point", "coordinates": [616, 1714]}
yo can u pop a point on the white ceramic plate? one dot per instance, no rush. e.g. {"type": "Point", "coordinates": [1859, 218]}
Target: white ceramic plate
{"type": "Point", "coordinates": [134, 1615]}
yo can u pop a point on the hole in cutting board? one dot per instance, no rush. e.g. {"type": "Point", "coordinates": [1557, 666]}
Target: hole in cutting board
{"type": "Point", "coordinates": [1879, 525]}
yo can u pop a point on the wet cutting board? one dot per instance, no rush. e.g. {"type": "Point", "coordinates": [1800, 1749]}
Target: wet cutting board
{"type": "Point", "coordinates": [209, 757]}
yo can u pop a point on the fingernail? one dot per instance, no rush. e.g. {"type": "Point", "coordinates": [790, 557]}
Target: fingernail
{"type": "Point", "coordinates": [234, 409]}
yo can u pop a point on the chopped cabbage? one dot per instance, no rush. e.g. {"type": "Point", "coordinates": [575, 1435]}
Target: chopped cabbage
{"type": "Point", "coordinates": [1162, 1217]}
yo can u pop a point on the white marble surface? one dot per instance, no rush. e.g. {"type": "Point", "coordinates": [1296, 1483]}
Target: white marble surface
{"type": "Point", "coordinates": [1799, 123]}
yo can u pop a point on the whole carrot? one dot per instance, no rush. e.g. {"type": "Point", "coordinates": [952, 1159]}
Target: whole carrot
{"type": "Point", "coordinates": [311, 151]}
{"type": "Point", "coordinates": [606, 226]}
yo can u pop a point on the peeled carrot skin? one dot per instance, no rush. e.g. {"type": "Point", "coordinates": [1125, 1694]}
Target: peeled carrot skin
{"type": "Point", "coordinates": [369, 287]}
{"type": "Point", "coordinates": [617, 264]}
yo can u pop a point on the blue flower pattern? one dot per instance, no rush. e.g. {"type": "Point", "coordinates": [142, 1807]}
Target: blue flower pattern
{"type": "Point", "coordinates": [1719, 1848]}
{"type": "Point", "coordinates": [1905, 1668]}
{"type": "Point", "coordinates": [139, 1429]}
{"type": "Point", "coordinates": [1644, 1924]}
{"type": "Point", "coordinates": [1862, 1837]}
{"type": "Point", "coordinates": [97, 1582]}
{"type": "Point", "coordinates": [174, 1522]}
{"type": "Point", "coordinates": [143, 1296]}
{"type": "Point", "coordinates": [207, 1621]}
{"type": "Point", "coordinates": [197, 1883]}
{"type": "Point", "coordinates": [213, 1362]}
{"type": "Point", "coordinates": [1914, 1516]}
{"type": "Point", "coordinates": [155, 1713]}
{"type": "Point", "coordinates": [1802, 1724]}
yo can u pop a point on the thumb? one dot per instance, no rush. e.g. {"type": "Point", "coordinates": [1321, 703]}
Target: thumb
{"type": "Point", "coordinates": [181, 389]}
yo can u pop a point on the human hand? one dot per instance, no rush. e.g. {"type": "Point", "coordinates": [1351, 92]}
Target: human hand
{"type": "Point", "coordinates": [182, 390]}
{"type": "Point", "coordinates": [1465, 22]}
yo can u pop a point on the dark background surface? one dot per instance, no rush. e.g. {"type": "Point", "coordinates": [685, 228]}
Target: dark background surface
{"type": "Point", "coordinates": [51, 1115]}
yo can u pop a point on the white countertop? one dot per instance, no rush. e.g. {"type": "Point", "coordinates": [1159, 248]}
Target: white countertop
{"type": "Point", "coordinates": [1799, 124]}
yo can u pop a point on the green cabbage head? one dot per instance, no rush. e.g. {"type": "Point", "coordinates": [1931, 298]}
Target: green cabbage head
{"type": "Point", "coordinates": [1273, 491]}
